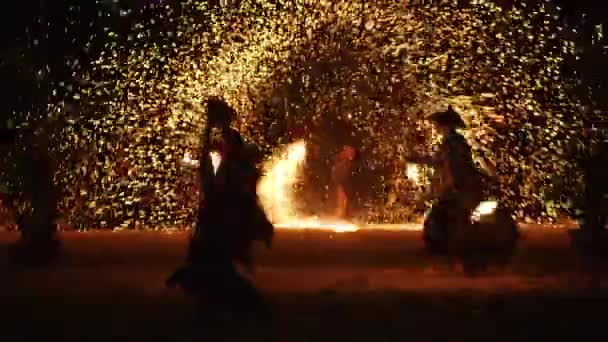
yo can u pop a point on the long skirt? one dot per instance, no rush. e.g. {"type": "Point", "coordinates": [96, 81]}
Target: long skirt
{"type": "Point", "coordinates": [448, 218]}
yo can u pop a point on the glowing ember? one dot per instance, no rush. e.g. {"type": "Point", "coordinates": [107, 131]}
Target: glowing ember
{"type": "Point", "coordinates": [216, 159]}
{"type": "Point", "coordinates": [487, 207]}
{"type": "Point", "coordinates": [318, 224]}
{"type": "Point", "coordinates": [189, 160]}
{"type": "Point", "coordinates": [484, 208]}
{"type": "Point", "coordinates": [413, 172]}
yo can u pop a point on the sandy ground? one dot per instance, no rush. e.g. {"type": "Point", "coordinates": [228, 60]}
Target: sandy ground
{"type": "Point", "coordinates": [364, 286]}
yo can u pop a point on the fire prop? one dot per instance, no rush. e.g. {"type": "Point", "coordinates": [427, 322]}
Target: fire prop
{"type": "Point", "coordinates": [216, 159]}
{"type": "Point", "coordinates": [413, 172]}
{"type": "Point", "coordinates": [280, 175]}
{"type": "Point", "coordinates": [276, 193]}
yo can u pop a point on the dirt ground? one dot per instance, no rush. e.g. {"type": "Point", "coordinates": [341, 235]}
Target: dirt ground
{"type": "Point", "coordinates": [364, 286]}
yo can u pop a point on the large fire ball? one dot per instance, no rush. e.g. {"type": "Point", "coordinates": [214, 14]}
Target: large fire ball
{"type": "Point", "coordinates": [372, 68]}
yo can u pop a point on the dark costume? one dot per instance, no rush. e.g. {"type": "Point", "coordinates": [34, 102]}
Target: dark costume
{"type": "Point", "coordinates": [7, 191]}
{"type": "Point", "coordinates": [315, 178]}
{"type": "Point", "coordinates": [39, 243]}
{"type": "Point", "coordinates": [232, 190]}
{"type": "Point", "coordinates": [596, 189]}
{"type": "Point", "coordinates": [229, 220]}
{"type": "Point", "coordinates": [459, 177]}
{"type": "Point", "coordinates": [460, 182]}
{"type": "Point", "coordinates": [342, 172]}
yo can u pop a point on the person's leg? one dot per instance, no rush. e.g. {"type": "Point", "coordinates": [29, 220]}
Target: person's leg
{"type": "Point", "coordinates": [437, 233]}
{"type": "Point", "coordinates": [245, 298]}
{"type": "Point", "coordinates": [464, 204]}
{"type": "Point", "coordinates": [341, 202]}
{"type": "Point", "coordinates": [224, 291]}
{"type": "Point", "coordinates": [592, 213]}
{"type": "Point", "coordinates": [39, 243]}
{"type": "Point", "coordinates": [602, 218]}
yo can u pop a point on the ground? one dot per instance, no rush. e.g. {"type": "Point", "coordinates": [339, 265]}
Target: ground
{"type": "Point", "coordinates": [364, 286]}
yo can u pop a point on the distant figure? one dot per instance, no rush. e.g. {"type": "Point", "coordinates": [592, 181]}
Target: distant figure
{"type": "Point", "coordinates": [7, 193]}
{"type": "Point", "coordinates": [596, 189]}
{"type": "Point", "coordinates": [342, 173]}
{"type": "Point", "coordinates": [315, 179]}
{"type": "Point", "coordinates": [39, 244]}
{"type": "Point", "coordinates": [229, 219]}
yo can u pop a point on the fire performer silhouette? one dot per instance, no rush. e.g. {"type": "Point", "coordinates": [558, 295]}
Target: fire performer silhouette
{"type": "Point", "coordinates": [459, 189]}
{"type": "Point", "coordinates": [591, 240]}
{"type": "Point", "coordinates": [7, 193]}
{"type": "Point", "coordinates": [39, 244]}
{"type": "Point", "coordinates": [229, 219]}
{"type": "Point", "coordinates": [596, 189]}
{"type": "Point", "coordinates": [342, 176]}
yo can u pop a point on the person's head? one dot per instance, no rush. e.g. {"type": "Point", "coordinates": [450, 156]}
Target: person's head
{"type": "Point", "coordinates": [442, 129]}
{"type": "Point", "coordinates": [232, 144]}
{"type": "Point", "coordinates": [219, 113]}
{"type": "Point", "coordinates": [349, 152]}
{"type": "Point", "coordinates": [447, 121]}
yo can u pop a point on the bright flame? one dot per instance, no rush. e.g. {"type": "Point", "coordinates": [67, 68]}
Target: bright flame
{"type": "Point", "coordinates": [216, 159]}
{"type": "Point", "coordinates": [413, 172]}
{"type": "Point", "coordinates": [276, 193]}
{"type": "Point", "coordinates": [484, 208]}
{"type": "Point", "coordinates": [188, 160]}
{"type": "Point", "coordinates": [316, 223]}
{"type": "Point", "coordinates": [275, 187]}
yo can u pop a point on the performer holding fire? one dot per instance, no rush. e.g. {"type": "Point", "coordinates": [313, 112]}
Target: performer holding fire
{"type": "Point", "coordinates": [229, 220]}
{"type": "Point", "coordinates": [459, 182]}
{"type": "Point", "coordinates": [39, 244]}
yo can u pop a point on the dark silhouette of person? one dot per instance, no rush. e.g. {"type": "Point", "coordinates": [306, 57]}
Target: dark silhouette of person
{"type": "Point", "coordinates": [7, 141]}
{"type": "Point", "coordinates": [342, 174]}
{"type": "Point", "coordinates": [315, 178]}
{"type": "Point", "coordinates": [460, 180]}
{"type": "Point", "coordinates": [590, 240]}
{"type": "Point", "coordinates": [39, 244]}
{"type": "Point", "coordinates": [229, 220]}
{"type": "Point", "coordinates": [596, 188]}
{"type": "Point", "coordinates": [459, 189]}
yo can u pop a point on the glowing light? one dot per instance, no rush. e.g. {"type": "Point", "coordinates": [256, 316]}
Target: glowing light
{"type": "Point", "coordinates": [281, 173]}
{"type": "Point", "coordinates": [276, 186]}
{"type": "Point", "coordinates": [318, 224]}
{"type": "Point", "coordinates": [484, 208]}
{"type": "Point", "coordinates": [189, 160]}
{"type": "Point", "coordinates": [413, 172]}
{"type": "Point", "coordinates": [216, 159]}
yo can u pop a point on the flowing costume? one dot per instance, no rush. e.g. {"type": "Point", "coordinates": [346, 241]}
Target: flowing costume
{"type": "Point", "coordinates": [229, 220]}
